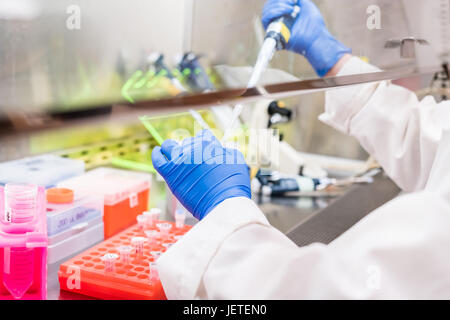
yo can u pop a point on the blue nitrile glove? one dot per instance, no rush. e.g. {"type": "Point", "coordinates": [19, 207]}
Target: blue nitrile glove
{"type": "Point", "coordinates": [309, 35]}
{"type": "Point", "coordinates": [201, 173]}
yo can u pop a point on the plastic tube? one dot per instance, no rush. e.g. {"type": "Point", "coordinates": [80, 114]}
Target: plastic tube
{"type": "Point", "coordinates": [164, 228]}
{"type": "Point", "coordinates": [142, 221]}
{"type": "Point", "coordinates": [153, 272]}
{"type": "Point", "coordinates": [152, 216]}
{"type": "Point", "coordinates": [109, 259]}
{"type": "Point", "coordinates": [20, 208]}
{"type": "Point", "coordinates": [180, 218]}
{"type": "Point", "coordinates": [138, 244]}
{"type": "Point", "coordinates": [152, 236]}
{"type": "Point", "coordinates": [125, 252]}
{"type": "Point", "coordinates": [20, 202]}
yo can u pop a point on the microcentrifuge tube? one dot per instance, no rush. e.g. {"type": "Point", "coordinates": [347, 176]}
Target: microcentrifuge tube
{"type": "Point", "coordinates": [141, 220]}
{"type": "Point", "coordinates": [125, 252]}
{"type": "Point", "coordinates": [152, 235]}
{"type": "Point", "coordinates": [152, 216]}
{"type": "Point", "coordinates": [164, 228]}
{"type": "Point", "coordinates": [110, 259]}
{"type": "Point", "coordinates": [138, 243]}
{"type": "Point", "coordinates": [180, 217]}
{"type": "Point", "coordinates": [155, 255]}
{"type": "Point", "coordinates": [148, 219]}
{"type": "Point", "coordinates": [153, 274]}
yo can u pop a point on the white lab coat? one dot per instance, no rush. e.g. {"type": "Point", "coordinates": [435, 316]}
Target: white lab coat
{"type": "Point", "coordinates": [401, 250]}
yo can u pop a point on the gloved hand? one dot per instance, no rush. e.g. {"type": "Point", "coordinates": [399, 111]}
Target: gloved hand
{"type": "Point", "coordinates": [309, 35]}
{"type": "Point", "coordinates": [201, 173]}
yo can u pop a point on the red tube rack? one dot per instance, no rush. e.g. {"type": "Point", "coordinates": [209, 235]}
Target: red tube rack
{"type": "Point", "coordinates": [85, 274]}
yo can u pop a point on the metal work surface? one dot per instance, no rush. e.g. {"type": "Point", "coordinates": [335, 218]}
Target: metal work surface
{"type": "Point", "coordinates": [329, 223]}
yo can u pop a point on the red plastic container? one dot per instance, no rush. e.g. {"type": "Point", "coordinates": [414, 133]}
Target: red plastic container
{"type": "Point", "coordinates": [125, 195]}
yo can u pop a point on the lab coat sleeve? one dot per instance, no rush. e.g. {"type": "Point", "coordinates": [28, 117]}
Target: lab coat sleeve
{"type": "Point", "coordinates": [181, 268]}
{"type": "Point", "coordinates": [399, 131]}
{"type": "Point", "coordinates": [397, 252]}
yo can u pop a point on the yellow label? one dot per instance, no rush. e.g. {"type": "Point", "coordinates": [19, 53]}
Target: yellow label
{"type": "Point", "coordinates": [285, 33]}
{"type": "Point", "coordinates": [253, 172]}
{"type": "Point", "coordinates": [365, 59]}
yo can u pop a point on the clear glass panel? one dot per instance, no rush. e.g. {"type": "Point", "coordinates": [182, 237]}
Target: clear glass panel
{"type": "Point", "coordinates": [68, 55]}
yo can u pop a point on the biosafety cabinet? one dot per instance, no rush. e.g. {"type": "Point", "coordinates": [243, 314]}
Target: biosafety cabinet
{"type": "Point", "coordinates": [89, 88]}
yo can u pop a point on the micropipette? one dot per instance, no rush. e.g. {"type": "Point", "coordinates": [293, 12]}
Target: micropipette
{"type": "Point", "coordinates": [277, 36]}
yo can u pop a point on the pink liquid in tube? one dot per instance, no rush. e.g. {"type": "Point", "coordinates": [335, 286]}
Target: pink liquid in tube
{"type": "Point", "coordinates": [23, 242]}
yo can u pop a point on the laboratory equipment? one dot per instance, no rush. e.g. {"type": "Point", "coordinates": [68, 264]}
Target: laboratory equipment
{"type": "Point", "coordinates": [164, 228]}
{"type": "Point", "coordinates": [23, 242]}
{"type": "Point", "coordinates": [157, 60]}
{"type": "Point", "coordinates": [277, 36]}
{"type": "Point", "coordinates": [138, 161]}
{"type": "Point", "coordinates": [126, 148]}
{"type": "Point", "coordinates": [270, 183]}
{"type": "Point", "coordinates": [125, 194]}
{"type": "Point", "coordinates": [141, 221]}
{"type": "Point", "coordinates": [153, 267]}
{"type": "Point", "coordinates": [125, 253]}
{"type": "Point", "coordinates": [278, 113]}
{"type": "Point", "coordinates": [177, 126]}
{"type": "Point", "coordinates": [286, 185]}
{"type": "Point", "coordinates": [138, 244]}
{"type": "Point", "coordinates": [151, 217]}
{"type": "Point", "coordinates": [74, 222]}
{"type": "Point", "coordinates": [152, 235]}
{"type": "Point", "coordinates": [180, 218]}
{"type": "Point", "coordinates": [196, 77]}
{"type": "Point", "coordinates": [124, 275]}
{"type": "Point", "coordinates": [45, 170]}
{"type": "Point", "coordinates": [109, 259]}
